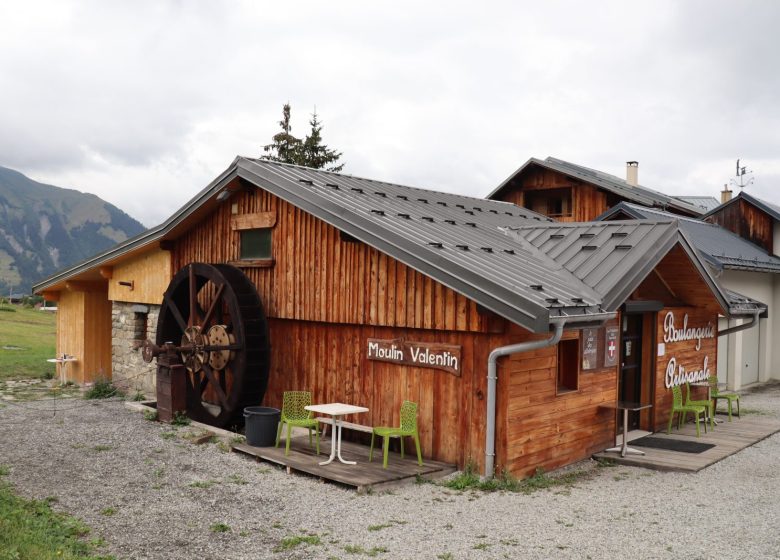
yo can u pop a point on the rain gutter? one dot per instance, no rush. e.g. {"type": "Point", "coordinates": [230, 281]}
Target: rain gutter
{"type": "Point", "coordinates": [752, 323]}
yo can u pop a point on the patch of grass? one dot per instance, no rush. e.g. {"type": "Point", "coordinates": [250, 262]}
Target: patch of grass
{"type": "Point", "coordinates": [138, 397]}
{"type": "Point", "coordinates": [180, 419]}
{"type": "Point", "coordinates": [446, 556]}
{"type": "Point", "coordinates": [150, 415]}
{"type": "Point", "coordinates": [468, 479]}
{"type": "Point", "coordinates": [235, 479]}
{"type": "Point", "coordinates": [108, 512]}
{"type": "Point", "coordinates": [102, 389]}
{"type": "Point", "coordinates": [99, 448]}
{"type": "Point", "coordinates": [481, 546]}
{"type": "Point", "coordinates": [204, 483]}
{"type": "Point", "coordinates": [34, 333]}
{"type": "Point", "coordinates": [291, 542]}
{"type": "Point", "coordinates": [4, 470]}
{"type": "Point", "coordinates": [357, 549]}
{"type": "Point", "coordinates": [237, 440]}
{"type": "Point", "coordinates": [168, 435]}
{"type": "Point", "coordinates": [390, 523]}
{"type": "Point", "coordinates": [30, 529]}
{"type": "Point", "coordinates": [220, 528]}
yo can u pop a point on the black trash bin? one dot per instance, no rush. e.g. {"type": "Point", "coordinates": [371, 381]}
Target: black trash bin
{"type": "Point", "coordinates": [261, 425]}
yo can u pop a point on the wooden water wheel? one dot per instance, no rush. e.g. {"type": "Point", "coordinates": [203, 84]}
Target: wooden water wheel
{"type": "Point", "coordinates": [214, 317]}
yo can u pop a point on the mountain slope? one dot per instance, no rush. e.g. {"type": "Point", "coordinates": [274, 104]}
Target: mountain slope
{"type": "Point", "coordinates": [44, 228]}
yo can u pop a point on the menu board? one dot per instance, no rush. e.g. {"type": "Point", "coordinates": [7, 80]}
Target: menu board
{"type": "Point", "coordinates": [590, 348]}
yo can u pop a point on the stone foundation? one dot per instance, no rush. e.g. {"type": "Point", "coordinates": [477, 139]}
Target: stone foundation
{"type": "Point", "coordinates": [131, 324]}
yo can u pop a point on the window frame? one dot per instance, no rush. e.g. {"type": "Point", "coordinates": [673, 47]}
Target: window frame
{"type": "Point", "coordinates": [567, 364]}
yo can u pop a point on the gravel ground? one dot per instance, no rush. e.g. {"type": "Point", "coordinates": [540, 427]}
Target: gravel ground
{"type": "Point", "coordinates": [132, 482]}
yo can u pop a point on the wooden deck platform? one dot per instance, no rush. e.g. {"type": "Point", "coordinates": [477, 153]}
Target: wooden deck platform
{"type": "Point", "coordinates": [728, 438]}
{"type": "Point", "coordinates": [363, 476]}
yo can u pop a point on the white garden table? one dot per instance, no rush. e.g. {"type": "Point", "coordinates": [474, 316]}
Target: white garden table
{"type": "Point", "coordinates": [336, 410]}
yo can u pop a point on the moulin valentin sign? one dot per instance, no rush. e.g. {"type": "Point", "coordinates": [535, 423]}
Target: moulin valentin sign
{"type": "Point", "coordinates": [420, 354]}
{"type": "Point", "coordinates": [677, 374]}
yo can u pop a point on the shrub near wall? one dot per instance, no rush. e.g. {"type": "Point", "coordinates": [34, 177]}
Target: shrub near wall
{"type": "Point", "coordinates": [131, 324]}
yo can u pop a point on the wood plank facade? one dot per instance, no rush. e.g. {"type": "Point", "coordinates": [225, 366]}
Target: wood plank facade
{"type": "Point", "coordinates": [747, 221]}
{"type": "Point", "coordinates": [84, 332]}
{"type": "Point", "coordinates": [558, 196]}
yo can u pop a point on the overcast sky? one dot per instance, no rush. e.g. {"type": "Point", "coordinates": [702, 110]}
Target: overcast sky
{"type": "Point", "coordinates": [143, 103]}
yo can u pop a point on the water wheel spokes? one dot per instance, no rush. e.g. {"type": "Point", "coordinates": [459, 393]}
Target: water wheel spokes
{"type": "Point", "coordinates": [225, 374]}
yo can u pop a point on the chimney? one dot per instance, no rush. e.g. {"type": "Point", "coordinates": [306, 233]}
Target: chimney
{"type": "Point", "coordinates": [632, 173]}
{"type": "Point", "coordinates": [725, 194]}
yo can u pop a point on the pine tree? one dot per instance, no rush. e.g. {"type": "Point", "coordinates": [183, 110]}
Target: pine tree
{"type": "Point", "coordinates": [285, 147]}
{"type": "Point", "coordinates": [314, 153]}
{"type": "Point", "coordinates": [310, 152]}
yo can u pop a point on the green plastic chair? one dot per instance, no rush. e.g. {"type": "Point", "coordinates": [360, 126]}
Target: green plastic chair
{"type": "Point", "coordinates": [408, 428]}
{"type": "Point", "coordinates": [705, 403]}
{"type": "Point", "coordinates": [682, 411]}
{"type": "Point", "coordinates": [715, 394]}
{"type": "Point", "coordinates": [294, 414]}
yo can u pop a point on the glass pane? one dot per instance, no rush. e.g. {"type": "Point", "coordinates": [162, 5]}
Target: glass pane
{"type": "Point", "coordinates": [256, 244]}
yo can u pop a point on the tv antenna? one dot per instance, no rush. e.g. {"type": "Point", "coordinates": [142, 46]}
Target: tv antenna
{"type": "Point", "coordinates": [741, 181]}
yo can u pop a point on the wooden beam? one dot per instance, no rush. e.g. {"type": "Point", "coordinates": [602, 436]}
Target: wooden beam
{"type": "Point", "coordinates": [661, 278]}
{"type": "Point", "coordinates": [106, 272]}
{"type": "Point", "coordinates": [253, 221]}
{"type": "Point", "coordinates": [51, 296]}
{"type": "Point", "coordinates": [84, 286]}
{"type": "Point", "coordinates": [167, 244]}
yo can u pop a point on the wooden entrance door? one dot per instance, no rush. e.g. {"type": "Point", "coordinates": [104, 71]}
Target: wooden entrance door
{"type": "Point", "coordinates": [630, 383]}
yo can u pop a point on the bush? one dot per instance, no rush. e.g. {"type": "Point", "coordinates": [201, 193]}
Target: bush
{"type": "Point", "coordinates": [102, 389]}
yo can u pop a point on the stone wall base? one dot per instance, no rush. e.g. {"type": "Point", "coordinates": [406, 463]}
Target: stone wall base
{"type": "Point", "coordinates": [131, 324]}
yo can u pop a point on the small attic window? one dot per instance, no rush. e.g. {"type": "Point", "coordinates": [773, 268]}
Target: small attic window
{"type": "Point", "coordinates": [255, 244]}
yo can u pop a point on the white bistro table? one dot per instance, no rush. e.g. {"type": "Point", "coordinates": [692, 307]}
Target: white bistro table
{"type": "Point", "coordinates": [336, 410]}
{"type": "Point", "coordinates": [62, 362]}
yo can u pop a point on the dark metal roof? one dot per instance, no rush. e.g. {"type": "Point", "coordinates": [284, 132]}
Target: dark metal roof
{"type": "Point", "coordinates": [772, 209]}
{"type": "Point", "coordinates": [454, 239]}
{"type": "Point", "coordinates": [719, 246]}
{"type": "Point", "coordinates": [612, 258]}
{"type": "Point", "coordinates": [611, 183]}
{"type": "Point", "coordinates": [706, 203]}
{"type": "Point", "coordinates": [495, 253]}
{"type": "Point", "coordinates": [743, 305]}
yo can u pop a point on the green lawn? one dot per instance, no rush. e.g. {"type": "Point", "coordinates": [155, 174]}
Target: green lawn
{"type": "Point", "coordinates": [27, 340]}
{"type": "Point", "coordinates": [30, 529]}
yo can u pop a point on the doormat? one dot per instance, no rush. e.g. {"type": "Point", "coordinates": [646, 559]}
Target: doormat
{"type": "Point", "coordinates": [680, 445]}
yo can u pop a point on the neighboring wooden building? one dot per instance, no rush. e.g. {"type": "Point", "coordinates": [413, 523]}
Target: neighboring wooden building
{"type": "Point", "coordinates": [375, 293]}
{"type": "Point", "coordinates": [573, 193]}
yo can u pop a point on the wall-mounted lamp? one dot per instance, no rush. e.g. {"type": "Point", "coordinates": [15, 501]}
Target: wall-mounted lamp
{"type": "Point", "coordinates": [223, 195]}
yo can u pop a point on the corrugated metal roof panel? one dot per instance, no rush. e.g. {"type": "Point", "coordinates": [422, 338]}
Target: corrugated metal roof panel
{"type": "Point", "coordinates": [615, 258]}
{"type": "Point", "coordinates": [717, 244]}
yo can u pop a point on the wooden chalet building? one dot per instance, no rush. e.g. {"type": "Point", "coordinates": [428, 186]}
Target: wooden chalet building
{"type": "Point", "coordinates": [509, 329]}
{"type": "Point", "coordinates": [569, 192]}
